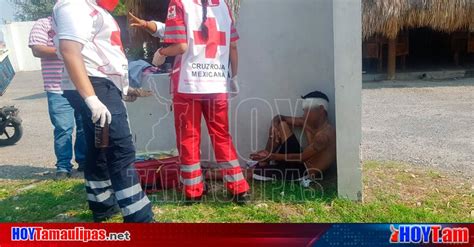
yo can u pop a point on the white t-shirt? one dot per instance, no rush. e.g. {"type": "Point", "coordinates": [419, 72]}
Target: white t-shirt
{"type": "Point", "coordinates": [85, 22]}
{"type": "Point", "coordinates": [160, 30]}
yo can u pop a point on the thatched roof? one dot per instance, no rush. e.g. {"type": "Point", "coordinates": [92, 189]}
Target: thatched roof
{"type": "Point", "coordinates": [388, 17]}
{"type": "Point", "coordinates": [385, 17]}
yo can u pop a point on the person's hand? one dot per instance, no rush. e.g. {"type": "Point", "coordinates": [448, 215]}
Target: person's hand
{"type": "Point", "coordinates": [135, 21]}
{"type": "Point", "coordinates": [234, 87]}
{"type": "Point", "coordinates": [139, 92]}
{"type": "Point", "coordinates": [158, 59]}
{"type": "Point", "coordinates": [134, 93]}
{"type": "Point", "coordinates": [99, 111]}
{"type": "Point", "coordinates": [262, 155]}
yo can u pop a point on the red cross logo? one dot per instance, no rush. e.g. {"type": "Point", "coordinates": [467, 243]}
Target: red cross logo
{"type": "Point", "coordinates": [215, 39]}
{"type": "Point", "coordinates": [115, 39]}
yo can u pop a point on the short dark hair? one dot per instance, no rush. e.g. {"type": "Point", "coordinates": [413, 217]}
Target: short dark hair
{"type": "Point", "coordinates": [316, 94]}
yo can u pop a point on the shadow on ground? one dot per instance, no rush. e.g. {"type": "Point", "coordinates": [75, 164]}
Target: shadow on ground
{"type": "Point", "coordinates": [323, 189]}
{"type": "Point", "coordinates": [418, 84]}
{"type": "Point", "coordinates": [17, 172]}
{"type": "Point", "coordinates": [33, 96]}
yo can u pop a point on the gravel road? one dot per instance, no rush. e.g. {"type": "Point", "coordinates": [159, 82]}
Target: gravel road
{"type": "Point", "coordinates": [429, 123]}
{"type": "Point", "coordinates": [422, 123]}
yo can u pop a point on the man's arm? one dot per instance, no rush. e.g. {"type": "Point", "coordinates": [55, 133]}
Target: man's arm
{"type": "Point", "coordinates": [71, 53]}
{"type": "Point", "coordinates": [72, 56]}
{"type": "Point", "coordinates": [234, 58]}
{"type": "Point", "coordinates": [307, 154]}
{"type": "Point", "coordinates": [38, 40]}
{"type": "Point", "coordinates": [175, 33]}
{"type": "Point", "coordinates": [174, 49]}
{"type": "Point", "coordinates": [291, 121]}
{"type": "Point", "coordinates": [41, 51]}
{"type": "Point", "coordinates": [322, 141]}
{"type": "Point", "coordinates": [155, 28]}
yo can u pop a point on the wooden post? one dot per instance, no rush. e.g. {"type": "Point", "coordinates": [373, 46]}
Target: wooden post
{"type": "Point", "coordinates": [392, 59]}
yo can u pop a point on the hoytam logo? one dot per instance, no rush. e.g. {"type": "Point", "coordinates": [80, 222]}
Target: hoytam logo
{"type": "Point", "coordinates": [433, 234]}
{"type": "Point", "coordinates": [75, 234]}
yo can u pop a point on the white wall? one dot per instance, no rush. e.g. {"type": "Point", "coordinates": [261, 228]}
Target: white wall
{"type": "Point", "coordinates": [290, 48]}
{"type": "Point", "coordinates": [16, 37]}
{"type": "Point", "coordinates": [286, 51]}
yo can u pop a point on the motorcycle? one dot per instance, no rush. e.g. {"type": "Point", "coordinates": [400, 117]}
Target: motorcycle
{"type": "Point", "coordinates": [11, 130]}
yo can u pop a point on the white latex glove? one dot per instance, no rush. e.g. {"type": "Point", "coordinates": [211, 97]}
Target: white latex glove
{"type": "Point", "coordinates": [158, 59]}
{"type": "Point", "coordinates": [234, 87]}
{"type": "Point", "coordinates": [99, 110]}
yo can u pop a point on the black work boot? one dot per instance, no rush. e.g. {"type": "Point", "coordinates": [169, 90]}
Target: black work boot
{"type": "Point", "coordinates": [192, 201]}
{"type": "Point", "coordinates": [241, 199]}
{"type": "Point", "coordinates": [62, 176]}
{"type": "Point", "coordinates": [81, 168]}
{"type": "Point", "coordinates": [107, 216]}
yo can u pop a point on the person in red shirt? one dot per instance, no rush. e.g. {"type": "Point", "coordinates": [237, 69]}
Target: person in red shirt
{"type": "Point", "coordinates": [202, 36]}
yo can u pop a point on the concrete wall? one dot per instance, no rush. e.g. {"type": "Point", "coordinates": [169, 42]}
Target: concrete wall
{"type": "Point", "coordinates": [286, 51]}
{"type": "Point", "coordinates": [347, 24]}
{"type": "Point", "coordinates": [16, 39]}
{"type": "Point", "coordinates": [290, 48]}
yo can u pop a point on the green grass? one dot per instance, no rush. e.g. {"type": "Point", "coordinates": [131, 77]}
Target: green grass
{"type": "Point", "coordinates": [393, 192]}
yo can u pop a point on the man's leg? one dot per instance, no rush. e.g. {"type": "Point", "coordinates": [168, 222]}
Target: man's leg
{"type": "Point", "coordinates": [100, 194]}
{"type": "Point", "coordinates": [287, 143]}
{"type": "Point", "coordinates": [187, 115]}
{"type": "Point", "coordinates": [80, 149]}
{"type": "Point", "coordinates": [62, 118]}
{"type": "Point", "coordinates": [284, 133]}
{"type": "Point", "coordinates": [120, 155]}
{"type": "Point", "coordinates": [80, 144]}
{"type": "Point", "coordinates": [216, 113]}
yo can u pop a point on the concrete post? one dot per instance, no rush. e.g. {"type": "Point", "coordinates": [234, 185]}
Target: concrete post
{"type": "Point", "coordinates": [347, 26]}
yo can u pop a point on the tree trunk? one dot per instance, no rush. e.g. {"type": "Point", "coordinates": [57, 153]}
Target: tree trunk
{"type": "Point", "coordinates": [392, 59]}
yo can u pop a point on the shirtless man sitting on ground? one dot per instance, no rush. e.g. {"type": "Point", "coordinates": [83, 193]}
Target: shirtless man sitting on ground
{"type": "Point", "coordinates": [283, 158]}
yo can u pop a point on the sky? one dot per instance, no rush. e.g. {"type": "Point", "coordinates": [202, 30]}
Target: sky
{"type": "Point", "coordinates": [6, 13]}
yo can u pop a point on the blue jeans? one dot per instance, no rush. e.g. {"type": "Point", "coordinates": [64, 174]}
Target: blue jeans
{"type": "Point", "coordinates": [64, 118]}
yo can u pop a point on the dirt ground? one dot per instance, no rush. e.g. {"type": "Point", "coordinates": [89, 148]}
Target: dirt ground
{"type": "Point", "coordinates": [421, 123]}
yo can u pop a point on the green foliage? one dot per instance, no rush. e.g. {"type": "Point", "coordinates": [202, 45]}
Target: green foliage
{"type": "Point", "coordinates": [31, 10]}
{"type": "Point", "coordinates": [121, 9]}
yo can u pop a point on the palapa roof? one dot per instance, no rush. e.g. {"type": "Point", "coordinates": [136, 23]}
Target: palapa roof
{"type": "Point", "coordinates": [388, 17]}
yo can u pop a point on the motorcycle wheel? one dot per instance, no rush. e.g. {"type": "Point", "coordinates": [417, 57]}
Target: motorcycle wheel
{"type": "Point", "coordinates": [12, 134]}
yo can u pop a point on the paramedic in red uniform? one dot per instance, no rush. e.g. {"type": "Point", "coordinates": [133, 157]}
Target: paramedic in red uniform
{"type": "Point", "coordinates": [203, 37]}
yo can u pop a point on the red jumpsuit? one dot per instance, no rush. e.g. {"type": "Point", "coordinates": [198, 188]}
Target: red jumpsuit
{"type": "Point", "coordinates": [200, 88]}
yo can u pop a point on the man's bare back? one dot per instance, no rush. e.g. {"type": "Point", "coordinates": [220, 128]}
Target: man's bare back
{"type": "Point", "coordinates": [323, 140]}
